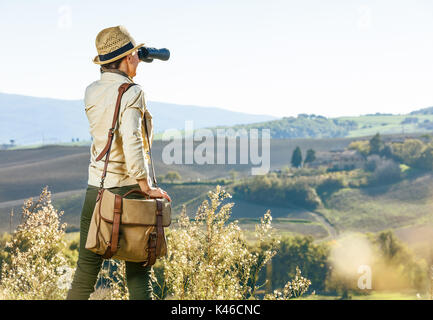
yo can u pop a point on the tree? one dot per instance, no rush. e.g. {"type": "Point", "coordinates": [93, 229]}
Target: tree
{"type": "Point", "coordinates": [425, 160]}
{"type": "Point", "coordinates": [172, 175]}
{"type": "Point", "coordinates": [403, 268]}
{"type": "Point", "coordinates": [409, 151]}
{"type": "Point", "coordinates": [310, 157]}
{"type": "Point", "coordinates": [384, 171]}
{"type": "Point", "coordinates": [297, 157]}
{"type": "Point", "coordinates": [362, 146]}
{"type": "Point", "coordinates": [376, 144]}
{"type": "Point", "coordinates": [387, 152]}
{"type": "Point", "coordinates": [302, 252]}
{"type": "Point", "coordinates": [233, 174]}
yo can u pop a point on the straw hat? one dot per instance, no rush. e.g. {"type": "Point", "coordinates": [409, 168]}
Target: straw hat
{"type": "Point", "coordinates": [114, 43]}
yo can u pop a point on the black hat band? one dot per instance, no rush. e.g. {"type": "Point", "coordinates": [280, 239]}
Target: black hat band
{"type": "Point", "coordinates": [115, 53]}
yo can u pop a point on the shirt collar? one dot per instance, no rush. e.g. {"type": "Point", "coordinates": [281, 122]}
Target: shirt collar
{"type": "Point", "coordinates": [114, 73]}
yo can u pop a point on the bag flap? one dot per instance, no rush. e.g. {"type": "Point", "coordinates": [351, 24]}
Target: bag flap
{"type": "Point", "coordinates": [135, 211]}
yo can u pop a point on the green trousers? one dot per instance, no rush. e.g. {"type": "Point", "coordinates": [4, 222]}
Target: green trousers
{"type": "Point", "coordinates": [89, 263]}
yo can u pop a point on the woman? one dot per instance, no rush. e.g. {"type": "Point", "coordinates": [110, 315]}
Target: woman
{"type": "Point", "coordinates": [128, 163]}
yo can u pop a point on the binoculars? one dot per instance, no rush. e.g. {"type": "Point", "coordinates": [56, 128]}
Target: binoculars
{"type": "Point", "coordinates": [147, 54]}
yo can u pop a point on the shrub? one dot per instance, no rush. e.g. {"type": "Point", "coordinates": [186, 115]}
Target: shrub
{"type": "Point", "coordinates": [386, 172]}
{"type": "Point", "coordinates": [329, 186]}
{"type": "Point", "coordinates": [302, 194]}
{"type": "Point", "coordinates": [4, 256]}
{"type": "Point", "coordinates": [37, 268]}
{"type": "Point", "coordinates": [425, 160]}
{"type": "Point", "coordinates": [409, 120]}
{"type": "Point", "coordinates": [172, 176]}
{"type": "Point", "coordinates": [396, 264]}
{"type": "Point", "coordinates": [209, 258]}
{"type": "Point", "coordinates": [293, 289]}
{"type": "Point", "coordinates": [409, 151]}
{"type": "Point", "coordinates": [111, 282]}
{"type": "Point", "coordinates": [302, 252]}
{"type": "Point", "coordinates": [362, 146]}
{"type": "Point", "coordinates": [372, 163]}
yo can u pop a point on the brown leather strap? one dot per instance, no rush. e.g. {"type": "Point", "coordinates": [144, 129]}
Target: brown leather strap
{"type": "Point", "coordinates": [159, 228]}
{"type": "Point", "coordinates": [114, 242]}
{"type": "Point", "coordinates": [151, 250]}
{"type": "Point", "coordinates": [107, 148]}
{"type": "Point", "coordinates": [116, 223]}
{"type": "Point", "coordinates": [150, 151]}
{"type": "Point", "coordinates": [155, 238]}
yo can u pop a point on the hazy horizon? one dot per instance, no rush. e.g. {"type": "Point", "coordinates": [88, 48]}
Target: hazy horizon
{"type": "Point", "coordinates": [218, 107]}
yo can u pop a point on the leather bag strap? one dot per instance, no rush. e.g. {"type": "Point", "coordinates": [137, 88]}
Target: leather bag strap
{"type": "Point", "coordinates": [159, 228]}
{"type": "Point", "coordinates": [155, 238]}
{"type": "Point", "coordinates": [106, 151]}
{"type": "Point", "coordinates": [151, 251]}
{"type": "Point", "coordinates": [114, 242]}
{"type": "Point", "coordinates": [150, 151]}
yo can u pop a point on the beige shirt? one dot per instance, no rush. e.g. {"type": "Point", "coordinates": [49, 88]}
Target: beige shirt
{"type": "Point", "coordinates": [129, 156]}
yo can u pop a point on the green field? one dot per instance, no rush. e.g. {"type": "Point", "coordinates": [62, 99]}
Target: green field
{"type": "Point", "coordinates": [370, 125]}
{"type": "Point", "coordinates": [409, 202]}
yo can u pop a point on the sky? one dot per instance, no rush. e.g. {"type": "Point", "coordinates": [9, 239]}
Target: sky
{"type": "Point", "coordinates": [282, 58]}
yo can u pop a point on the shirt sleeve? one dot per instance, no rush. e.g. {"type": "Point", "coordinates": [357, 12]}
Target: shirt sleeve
{"type": "Point", "coordinates": [131, 131]}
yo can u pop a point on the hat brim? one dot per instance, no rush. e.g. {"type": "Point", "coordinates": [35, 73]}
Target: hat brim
{"type": "Point", "coordinates": [97, 61]}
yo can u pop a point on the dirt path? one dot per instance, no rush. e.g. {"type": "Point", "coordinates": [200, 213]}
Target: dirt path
{"type": "Point", "coordinates": [333, 233]}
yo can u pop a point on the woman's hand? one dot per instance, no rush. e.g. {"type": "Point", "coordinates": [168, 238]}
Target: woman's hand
{"type": "Point", "coordinates": [157, 193]}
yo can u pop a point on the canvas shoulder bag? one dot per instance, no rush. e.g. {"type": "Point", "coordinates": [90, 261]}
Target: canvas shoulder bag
{"type": "Point", "coordinates": [128, 229]}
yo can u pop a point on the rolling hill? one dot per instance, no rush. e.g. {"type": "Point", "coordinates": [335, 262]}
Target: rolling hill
{"type": "Point", "coordinates": [314, 126]}
{"type": "Point", "coordinates": [24, 172]}
{"type": "Point", "coordinates": [29, 120]}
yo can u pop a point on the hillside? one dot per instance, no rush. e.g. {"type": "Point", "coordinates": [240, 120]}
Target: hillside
{"type": "Point", "coordinates": [64, 169]}
{"type": "Point", "coordinates": [424, 111]}
{"type": "Point", "coordinates": [29, 120]}
{"type": "Point", "coordinates": [303, 126]}
{"type": "Point", "coordinates": [25, 172]}
{"type": "Point", "coordinates": [313, 126]}
{"type": "Point", "coordinates": [407, 203]}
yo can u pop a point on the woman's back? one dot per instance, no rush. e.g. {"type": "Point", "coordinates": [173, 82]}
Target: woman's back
{"type": "Point", "coordinates": [128, 157]}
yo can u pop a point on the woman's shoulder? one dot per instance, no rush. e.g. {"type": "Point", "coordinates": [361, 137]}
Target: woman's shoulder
{"type": "Point", "coordinates": [134, 90]}
{"type": "Point", "coordinates": [134, 96]}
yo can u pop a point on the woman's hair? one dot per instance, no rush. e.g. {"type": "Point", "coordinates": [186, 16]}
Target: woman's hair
{"type": "Point", "coordinates": [113, 65]}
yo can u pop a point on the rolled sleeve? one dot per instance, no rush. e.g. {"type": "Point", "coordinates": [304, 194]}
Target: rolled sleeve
{"type": "Point", "coordinates": [130, 130]}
